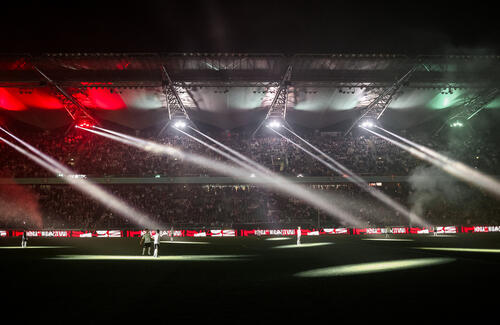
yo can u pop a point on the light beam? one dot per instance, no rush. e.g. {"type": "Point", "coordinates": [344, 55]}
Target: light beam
{"type": "Point", "coordinates": [85, 186]}
{"type": "Point", "coordinates": [448, 165]}
{"type": "Point", "coordinates": [275, 182]}
{"type": "Point", "coordinates": [341, 169]}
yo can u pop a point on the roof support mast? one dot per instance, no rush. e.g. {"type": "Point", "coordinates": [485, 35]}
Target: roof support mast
{"type": "Point", "coordinates": [471, 107]}
{"type": "Point", "coordinates": [378, 106]}
{"type": "Point", "coordinates": [279, 104]}
{"type": "Point", "coordinates": [75, 110]}
{"type": "Point", "coordinates": [175, 107]}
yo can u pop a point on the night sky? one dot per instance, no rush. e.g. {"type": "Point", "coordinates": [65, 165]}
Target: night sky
{"type": "Point", "coordinates": [411, 27]}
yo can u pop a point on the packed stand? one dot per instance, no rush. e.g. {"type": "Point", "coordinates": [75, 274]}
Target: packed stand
{"type": "Point", "coordinates": [238, 206]}
{"type": "Point", "coordinates": [94, 155]}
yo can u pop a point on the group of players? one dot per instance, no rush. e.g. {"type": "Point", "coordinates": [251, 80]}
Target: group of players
{"type": "Point", "coordinates": [147, 239]}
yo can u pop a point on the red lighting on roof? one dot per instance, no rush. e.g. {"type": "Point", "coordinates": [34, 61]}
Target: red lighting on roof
{"type": "Point", "coordinates": [19, 99]}
{"type": "Point", "coordinates": [9, 102]}
{"type": "Point", "coordinates": [105, 99]}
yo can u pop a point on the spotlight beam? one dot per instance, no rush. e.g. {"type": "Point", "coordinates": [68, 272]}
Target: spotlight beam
{"type": "Point", "coordinates": [361, 183]}
{"type": "Point", "coordinates": [220, 152]}
{"type": "Point", "coordinates": [86, 187]}
{"type": "Point", "coordinates": [412, 217]}
{"type": "Point", "coordinates": [234, 152]}
{"type": "Point", "coordinates": [270, 178]}
{"type": "Point", "coordinates": [309, 153]}
{"type": "Point", "coordinates": [275, 182]}
{"type": "Point", "coordinates": [448, 165]}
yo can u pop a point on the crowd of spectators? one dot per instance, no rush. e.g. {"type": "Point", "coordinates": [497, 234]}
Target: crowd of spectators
{"type": "Point", "coordinates": [239, 206]}
{"type": "Point", "coordinates": [94, 155]}
{"type": "Point", "coordinates": [244, 206]}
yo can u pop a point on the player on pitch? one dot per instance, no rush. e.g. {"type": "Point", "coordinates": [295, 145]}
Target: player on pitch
{"type": "Point", "coordinates": [146, 242]}
{"type": "Point", "coordinates": [156, 238]}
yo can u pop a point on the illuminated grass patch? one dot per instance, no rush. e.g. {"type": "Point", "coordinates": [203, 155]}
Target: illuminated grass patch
{"type": "Point", "coordinates": [279, 238]}
{"type": "Point", "coordinates": [387, 239]}
{"type": "Point", "coordinates": [33, 247]}
{"type": "Point", "coordinates": [185, 242]}
{"type": "Point", "coordinates": [467, 250]}
{"type": "Point", "coordinates": [188, 258]}
{"type": "Point", "coordinates": [376, 267]}
{"type": "Point", "coordinates": [302, 245]}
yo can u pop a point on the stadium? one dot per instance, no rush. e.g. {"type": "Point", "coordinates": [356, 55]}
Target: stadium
{"type": "Point", "coordinates": [239, 186]}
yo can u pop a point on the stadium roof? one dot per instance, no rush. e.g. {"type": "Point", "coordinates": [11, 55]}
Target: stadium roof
{"type": "Point", "coordinates": [230, 90]}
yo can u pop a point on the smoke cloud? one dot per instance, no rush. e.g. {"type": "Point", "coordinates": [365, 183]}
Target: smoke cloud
{"type": "Point", "coordinates": [19, 207]}
{"type": "Point", "coordinates": [430, 187]}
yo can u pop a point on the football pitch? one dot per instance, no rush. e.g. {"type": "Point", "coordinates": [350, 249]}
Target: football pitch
{"type": "Point", "coordinates": [240, 278]}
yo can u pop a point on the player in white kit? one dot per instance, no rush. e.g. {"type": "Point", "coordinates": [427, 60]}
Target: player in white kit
{"type": "Point", "coordinates": [156, 238]}
{"type": "Point", "coordinates": [299, 233]}
{"type": "Point", "coordinates": [24, 239]}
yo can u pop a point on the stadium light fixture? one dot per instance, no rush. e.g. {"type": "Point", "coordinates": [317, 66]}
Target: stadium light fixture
{"type": "Point", "coordinates": [274, 124]}
{"type": "Point", "coordinates": [180, 124]}
{"type": "Point", "coordinates": [456, 124]}
{"type": "Point", "coordinates": [367, 124]}
{"type": "Point", "coordinates": [85, 124]}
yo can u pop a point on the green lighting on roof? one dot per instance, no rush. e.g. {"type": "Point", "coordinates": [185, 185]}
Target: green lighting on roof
{"type": "Point", "coordinates": [442, 101]}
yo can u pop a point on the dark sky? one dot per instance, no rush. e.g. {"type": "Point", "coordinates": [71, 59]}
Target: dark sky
{"type": "Point", "coordinates": [409, 27]}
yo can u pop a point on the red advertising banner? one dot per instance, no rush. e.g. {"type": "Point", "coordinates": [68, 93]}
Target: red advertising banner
{"type": "Point", "coordinates": [43, 233]}
{"type": "Point", "coordinates": [81, 234]}
{"type": "Point", "coordinates": [211, 233]}
{"type": "Point", "coordinates": [480, 229]}
{"type": "Point", "coordinates": [250, 232]}
{"type": "Point", "coordinates": [108, 233]}
{"type": "Point", "coordinates": [446, 230]}
{"type": "Point", "coordinates": [425, 230]}
{"type": "Point", "coordinates": [134, 233]}
{"type": "Point", "coordinates": [223, 233]}
{"type": "Point", "coordinates": [268, 232]}
{"type": "Point", "coordinates": [334, 231]}
{"type": "Point", "coordinates": [196, 233]}
{"type": "Point", "coordinates": [369, 231]}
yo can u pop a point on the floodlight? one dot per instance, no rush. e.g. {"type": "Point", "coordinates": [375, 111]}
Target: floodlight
{"type": "Point", "coordinates": [85, 124]}
{"type": "Point", "coordinates": [180, 124]}
{"type": "Point", "coordinates": [457, 124]}
{"type": "Point", "coordinates": [274, 124]}
{"type": "Point", "coordinates": [367, 124]}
